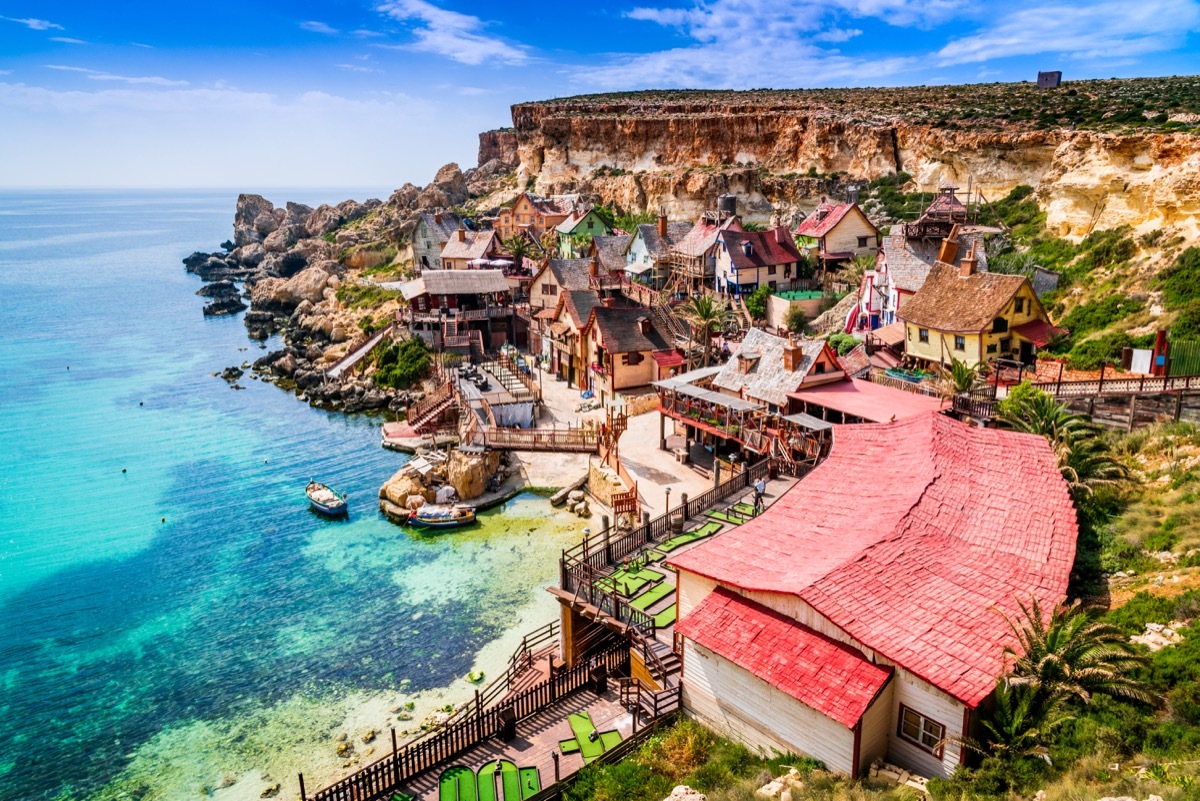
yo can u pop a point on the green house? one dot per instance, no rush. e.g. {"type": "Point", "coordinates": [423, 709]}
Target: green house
{"type": "Point", "coordinates": [575, 233]}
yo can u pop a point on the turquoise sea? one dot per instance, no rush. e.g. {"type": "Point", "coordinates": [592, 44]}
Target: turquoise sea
{"type": "Point", "coordinates": [174, 621]}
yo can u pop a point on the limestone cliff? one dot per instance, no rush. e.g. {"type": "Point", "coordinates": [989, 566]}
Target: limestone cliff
{"type": "Point", "coordinates": [678, 151]}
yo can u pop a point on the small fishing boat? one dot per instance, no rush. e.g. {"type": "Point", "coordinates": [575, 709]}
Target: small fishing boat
{"type": "Point", "coordinates": [325, 500]}
{"type": "Point", "coordinates": [439, 516]}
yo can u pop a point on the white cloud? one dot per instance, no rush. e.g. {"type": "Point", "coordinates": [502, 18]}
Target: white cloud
{"type": "Point", "coordinates": [1104, 30]}
{"type": "Point", "coordinates": [356, 68]}
{"type": "Point", "coordinates": [35, 24]}
{"type": "Point", "coordinates": [366, 34]}
{"type": "Point", "coordinates": [139, 44]}
{"type": "Point", "coordinates": [66, 40]}
{"type": "Point", "coordinates": [451, 34]}
{"type": "Point", "coordinates": [97, 75]}
{"type": "Point", "coordinates": [754, 43]}
{"type": "Point", "coordinates": [318, 27]}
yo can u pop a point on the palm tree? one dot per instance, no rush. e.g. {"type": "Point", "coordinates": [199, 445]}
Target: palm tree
{"type": "Point", "coordinates": [1068, 656]}
{"type": "Point", "coordinates": [706, 315]}
{"type": "Point", "coordinates": [961, 377]}
{"type": "Point", "coordinates": [518, 247]}
{"type": "Point", "coordinates": [1017, 726]}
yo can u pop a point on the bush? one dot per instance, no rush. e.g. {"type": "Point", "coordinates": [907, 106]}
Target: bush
{"type": "Point", "coordinates": [362, 296]}
{"type": "Point", "coordinates": [403, 364]}
{"type": "Point", "coordinates": [1187, 325]}
{"type": "Point", "coordinates": [1091, 353]}
{"type": "Point", "coordinates": [1099, 314]}
{"type": "Point", "coordinates": [756, 304]}
{"type": "Point", "coordinates": [843, 343]}
{"type": "Point", "coordinates": [1180, 283]}
{"type": "Point", "coordinates": [795, 319]}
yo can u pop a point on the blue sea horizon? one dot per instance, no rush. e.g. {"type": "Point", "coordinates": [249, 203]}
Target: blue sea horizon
{"type": "Point", "coordinates": [174, 621]}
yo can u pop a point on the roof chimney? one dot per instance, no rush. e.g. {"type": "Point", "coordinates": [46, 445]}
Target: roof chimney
{"type": "Point", "coordinates": [780, 235]}
{"type": "Point", "coordinates": [608, 301]}
{"type": "Point", "coordinates": [949, 250]}
{"type": "Point", "coordinates": [969, 263]}
{"type": "Point", "coordinates": [437, 218]}
{"type": "Point", "coordinates": [792, 354]}
{"type": "Point", "coordinates": [462, 234]}
{"type": "Point", "coordinates": [662, 223]}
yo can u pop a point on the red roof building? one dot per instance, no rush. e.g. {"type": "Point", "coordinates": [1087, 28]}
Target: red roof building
{"type": "Point", "coordinates": [906, 545]}
{"type": "Point", "coordinates": [837, 233]}
{"type": "Point", "coordinates": [747, 260]}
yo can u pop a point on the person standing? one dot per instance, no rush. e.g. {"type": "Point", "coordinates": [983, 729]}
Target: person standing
{"type": "Point", "coordinates": [760, 488]}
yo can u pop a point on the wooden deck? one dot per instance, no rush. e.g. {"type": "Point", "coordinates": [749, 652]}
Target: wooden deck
{"type": "Point", "coordinates": [537, 740]}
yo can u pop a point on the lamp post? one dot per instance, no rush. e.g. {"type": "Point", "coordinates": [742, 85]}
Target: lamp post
{"type": "Point", "coordinates": [668, 509]}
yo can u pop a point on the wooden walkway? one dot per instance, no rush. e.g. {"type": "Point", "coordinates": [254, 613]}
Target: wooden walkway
{"type": "Point", "coordinates": [537, 739]}
{"type": "Point", "coordinates": [351, 359]}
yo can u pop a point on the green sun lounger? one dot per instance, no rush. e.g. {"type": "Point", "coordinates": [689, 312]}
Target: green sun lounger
{"type": "Point", "coordinates": [649, 599]}
{"type": "Point", "coordinates": [458, 784]}
{"type": "Point", "coordinates": [666, 617]}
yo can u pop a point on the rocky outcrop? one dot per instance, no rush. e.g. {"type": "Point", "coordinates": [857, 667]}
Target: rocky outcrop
{"type": "Point", "coordinates": [469, 473]}
{"type": "Point", "coordinates": [255, 218]}
{"type": "Point", "coordinates": [285, 294]}
{"type": "Point", "coordinates": [499, 146]}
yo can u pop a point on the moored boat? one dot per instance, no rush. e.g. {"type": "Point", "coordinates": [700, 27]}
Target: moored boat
{"type": "Point", "coordinates": [439, 516]}
{"type": "Point", "coordinates": [325, 500]}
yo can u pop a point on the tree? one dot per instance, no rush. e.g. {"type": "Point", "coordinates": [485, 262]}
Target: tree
{"type": "Point", "coordinates": [518, 247]}
{"type": "Point", "coordinates": [1017, 726]}
{"type": "Point", "coordinates": [842, 343]}
{"type": "Point", "coordinates": [705, 314]}
{"type": "Point", "coordinates": [961, 377]}
{"type": "Point", "coordinates": [756, 304]}
{"type": "Point", "coordinates": [795, 319]}
{"type": "Point", "coordinates": [1068, 656]}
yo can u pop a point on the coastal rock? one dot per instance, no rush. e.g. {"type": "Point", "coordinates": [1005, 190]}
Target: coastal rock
{"type": "Point", "coordinates": [296, 214]}
{"type": "Point", "coordinates": [283, 237]}
{"type": "Point", "coordinates": [469, 473]}
{"type": "Point", "coordinates": [250, 255]}
{"type": "Point", "coordinates": [260, 324]}
{"type": "Point", "coordinates": [254, 219]}
{"type": "Point", "coordinates": [325, 219]}
{"type": "Point", "coordinates": [285, 294]}
{"type": "Point", "coordinates": [223, 306]}
{"type": "Point", "coordinates": [405, 197]}
{"type": "Point", "coordinates": [218, 289]}
{"type": "Point", "coordinates": [404, 484]}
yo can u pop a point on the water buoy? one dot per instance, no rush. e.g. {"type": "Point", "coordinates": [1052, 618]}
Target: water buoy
{"type": "Point", "coordinates": [164, 519]}
{"type": "Point", "coordinates": [122, 469]}
{"type": "Point", "coordinates": [139, 403]}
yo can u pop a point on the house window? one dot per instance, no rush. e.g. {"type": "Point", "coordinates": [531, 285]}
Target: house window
{"type": "Point", "coordinates": [820, 368]}
{"type": "Point", "coordinates": [771, 270]}
{"type": "Point", "coordinates": [862, 241]}
{"type": "Point", "coordinates": [960, 343]}
{"type": "Point", "coordinates": [999, 325]}
{"type": "Point", "coordinates": [991, 348]}
{"type": "Point", "coordinates": [923, 335]}
{"type": "Point", "coordinates": [1019, 305]}
{"type": "Point", "coordinates": [428, 244]}
{"type": "Point", "coordinates": [1005, 345]}
{"type": "Point", "coordinates": [921, 731]}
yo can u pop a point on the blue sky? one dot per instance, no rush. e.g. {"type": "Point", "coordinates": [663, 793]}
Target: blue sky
{"type": "Point", "coordinates": [374, 93]}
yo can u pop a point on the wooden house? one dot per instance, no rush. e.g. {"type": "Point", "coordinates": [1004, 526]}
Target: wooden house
{"type": "Point", "coordinates": [446, 306]}
{"type": "Point", "coordinates": [747, 260]}
{"type": "Point", "coordinates": [564, 344]}
{"type": "Point", "coordinates": [529, 214]}
{"type": "Point", "coordinates": [468, 249]}
{"type": "Point", "coordinates": [649, 249]}
{"type": "Point", "coordinates": [692, 260]}
{"type": "Point", "coordinates": [961, 313]}
{"type": "Point", "coordinates": [856, 619]}
{"type": "Point", "coordinates": [430, 238]}
{"type": "Point", "coordinates": [556, 276]}
{"type": "Point", "coordinates": [834, 234]}
{"type": "Point", "coordinates": [622, 345]}
{"type": "Point", "coordinates": [576, 231]}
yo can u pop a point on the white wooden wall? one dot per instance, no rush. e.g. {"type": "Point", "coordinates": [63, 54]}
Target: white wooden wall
{"type": "Point", "coordinates": [922, 697]}
{"type": "Point", "coordinates": [876, 727]}
{"type": "Point", "coordinates": [736, 703]}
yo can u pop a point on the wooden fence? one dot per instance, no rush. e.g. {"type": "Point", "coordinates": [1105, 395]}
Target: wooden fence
{"type": "Point", "coordinates": [579, 440]}
{"type": "Point", "coordinates": [1144, 384]}
{"type": "Point", "coordinates": [474, 724]}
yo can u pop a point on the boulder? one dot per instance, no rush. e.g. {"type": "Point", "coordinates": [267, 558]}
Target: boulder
{"type": "Point", "coordinates": [283, 237]}
{"type": "Point", "coordinates": [685, 793]}
{"type": "Point", "coordinates": [250, 255]}
{"type": "Point", "coordinates": [254, 219]}
{"type": "Point", "coordinates": [402, 486]}
{"type": "Point", "coordinates": [218, 289]}
{"type": "Point", "coordinates": [405, 197]}
{"type": "Point", "coordinates": [469, 473]}
{"type": "Point", "coordinates": [450, 180]}
{"type": "Point", "coordinates": [223, 306]}
{"type": "Point", "coordinates": [287, 293]}
{"type": "Point", "coordinates": [296, 214]}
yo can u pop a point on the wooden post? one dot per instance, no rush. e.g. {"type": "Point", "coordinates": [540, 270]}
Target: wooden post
{"type": "Point", "coordinates": [478, 715]}
{"type": "Point", "coordinates": [1058, 388]}
{"type": "Point", "coordinates": [607, 540]}
{"type": "Point", "coordinates": [683, 505]}
{"type": "Point", "coordinates": [303, 795]}
{"type": "Point", "coordinates": [1178, 406]}
{"type": "Point", "coordinates": [716, 473]}
{"type": "Point", "coordinates": [554, 756]}
{"type": "Point", "coordinates": [1100, 386]}
{"type": "Point", "coordinates": [1132, 411]}
{"type": "Point", "coordinates": [395, 759]}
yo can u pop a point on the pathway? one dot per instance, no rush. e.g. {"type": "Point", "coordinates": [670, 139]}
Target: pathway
{"type": "Point", "coordinates": [355, 356]}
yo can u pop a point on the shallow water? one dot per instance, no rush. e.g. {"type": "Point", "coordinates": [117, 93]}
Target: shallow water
{"type": "Point", "coordinates": [173, 618]}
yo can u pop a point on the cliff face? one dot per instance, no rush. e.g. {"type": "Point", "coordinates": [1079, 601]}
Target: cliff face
{"type": "Point", "coordinates": [679, 155]}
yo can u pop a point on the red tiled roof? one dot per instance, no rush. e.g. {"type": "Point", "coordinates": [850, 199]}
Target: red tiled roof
{"type": "Point", "coordinates": [1039, 332]}
{"type": "Point", "coordinates": [767, 248]}
{"type": "Point", "coordinates": [817, 225]}
{"type": "Point", "coordinates": [832, 678]}
{"type": "Point", "coordinates": [912, 537]}
{"type": "Point", "coordinates": [875, 402]}
{"type": "Point", "coordinates": [668, 358]}
{"type": "Point", "coordinates": [856, 360]}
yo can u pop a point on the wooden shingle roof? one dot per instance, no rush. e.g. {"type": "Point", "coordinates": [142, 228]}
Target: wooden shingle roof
{"type": "Point", "coordinates": [949, 301]}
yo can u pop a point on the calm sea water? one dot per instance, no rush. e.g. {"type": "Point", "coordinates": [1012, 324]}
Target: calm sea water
{"type": "Point", "coordinates": [172, 617]}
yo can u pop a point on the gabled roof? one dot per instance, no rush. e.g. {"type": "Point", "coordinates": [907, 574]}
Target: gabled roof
{"type": "Point", "coordinates": [621, 331]}
{"type": "Point", "coordinates": [909, 260]}
{"type": "Point", "coordinates": [832, 678]}
{"type": "Point", "coordinates": [474, 245]}
{"type": "Point", "coordinates": [767, 248]}
{"type": "Point", "coordinates": [612, 250]}
{"type": "Point", "coordinates": [703, 235]}
{"type": "Point", "coordinates": [453, 282]}
{"type": "Point", "coordinates": [571, 274]}
{"type": "Point", "coordinates": [766, 380]}
{"type": "Point", "coordinates": [658, 247]}
{"type": "Point", "coordinates": [951, 302]}
{"type": "Point", "coordinates": [947, 206]}
{"type": "Point", "coordinates": [912, 537]}
{"type": "Point", "coordinates": [579, 304]}
{"type": "Point", "coordinates": [826, 218]}
{"type": "Point", "coordinates": [856, 361]}
{"type": "Point", "coordinates": [442, 225]}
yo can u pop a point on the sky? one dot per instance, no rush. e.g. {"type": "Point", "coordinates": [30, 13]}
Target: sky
{"type": "Point", "coordinates": [376, 93]}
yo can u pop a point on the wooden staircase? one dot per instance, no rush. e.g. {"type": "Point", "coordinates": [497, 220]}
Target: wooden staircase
{"type": "Point", "coordinates": [424, 415]}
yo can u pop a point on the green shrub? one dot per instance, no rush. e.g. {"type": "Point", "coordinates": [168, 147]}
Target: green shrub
{"type": "Point", "coordinates": [402, 365]}
{"type": "Point", "coordinates": [1180, 283]}
{"type": "Point", "coordinates": [1099, 314]}
{"type": "Point", "coordinates": [1187, 325]}
{"type": "Point", "coordinates": [756, 304]}
{"type": "Point", "coordinates": [1091, 353]}
{"type": "Point", "coordinates": [361, 296]}
{"type": "Point", "coordinates": [795, 319]}
{"type": "Point", "coordinates": [843, 343]}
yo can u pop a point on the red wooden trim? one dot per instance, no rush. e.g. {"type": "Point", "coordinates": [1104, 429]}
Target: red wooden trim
{"type": "Point", "coordinates": [966, 732]}
{"type": "Point", "coordinates": [857, 770]}
{"type": "Point", "coordinates": [937, 752]}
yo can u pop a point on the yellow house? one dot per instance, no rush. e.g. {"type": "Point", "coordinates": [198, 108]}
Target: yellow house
{"type": "Point", "coordinates": [529, 213]}
{"type": "Point", "coordinates": [837, 233]}
{"type": "Point", "coordinates": [961, 313]}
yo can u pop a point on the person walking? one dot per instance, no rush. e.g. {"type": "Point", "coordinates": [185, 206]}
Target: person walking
{"type": "Point", "coordinates": [760, 488]}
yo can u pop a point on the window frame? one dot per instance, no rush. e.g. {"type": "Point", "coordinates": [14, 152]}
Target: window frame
{"type": "Point", "coordinates": [960, 343]}
{"type": "Point", "coordinates": [864, 241]}
{"type": "Point", "coordinates": [1018, 305]}
{"type": "Point", "coordinates": [923, 336]}
{"type": "Point", "coordinates": [938, 750]}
